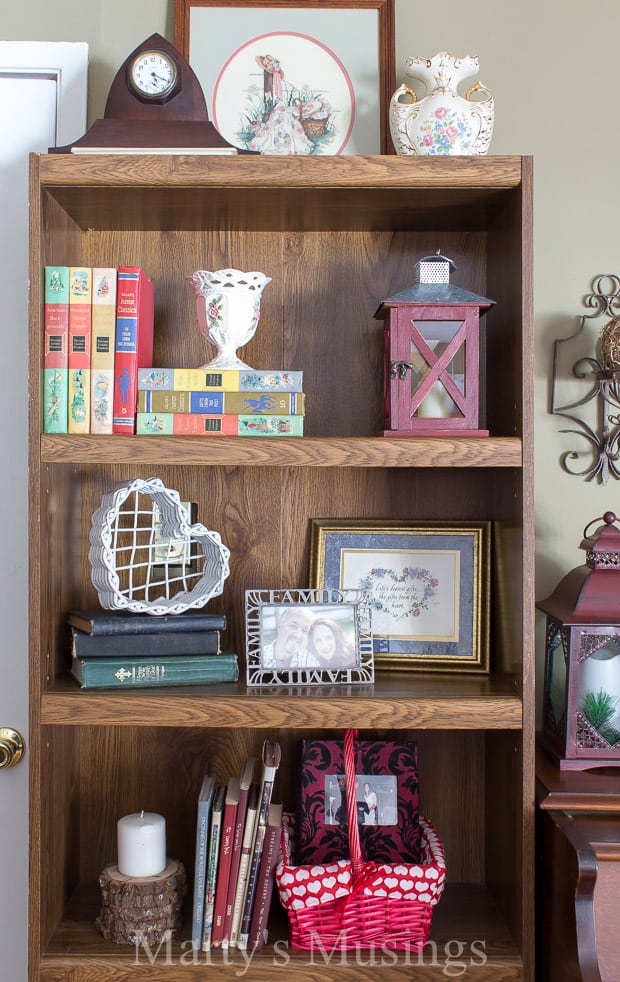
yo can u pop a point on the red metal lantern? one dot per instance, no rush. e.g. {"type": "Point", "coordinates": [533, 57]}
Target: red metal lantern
{"type": "Point", "coordinates": [581, 709]}
{"type": "Point", "coordinates": [432, 357]}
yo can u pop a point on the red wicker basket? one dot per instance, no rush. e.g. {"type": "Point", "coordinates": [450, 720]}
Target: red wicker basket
{"type": "Point", "coordinates": [356, 904]}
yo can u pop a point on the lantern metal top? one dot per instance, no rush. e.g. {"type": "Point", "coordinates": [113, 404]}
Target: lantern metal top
{"type": "Point", "coordinates": [590, 594]}
{"type": "Point", "coordinates": [432, 286]}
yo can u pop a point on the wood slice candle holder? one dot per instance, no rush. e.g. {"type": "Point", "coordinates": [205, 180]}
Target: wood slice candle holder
{"type": "Point", "coordinates": [137, 910]}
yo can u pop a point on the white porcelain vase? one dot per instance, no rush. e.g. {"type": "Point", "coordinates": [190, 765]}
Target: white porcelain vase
{"type": "Point", "coordinates": [442, 122]}
{"type": "Point", "coordinates": [228, 311]}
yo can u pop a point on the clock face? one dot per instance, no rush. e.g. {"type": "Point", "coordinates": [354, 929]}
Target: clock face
{"type": "Point", "coordinates": [153, 75]}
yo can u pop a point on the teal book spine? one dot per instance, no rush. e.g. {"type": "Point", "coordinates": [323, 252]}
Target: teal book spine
{"type": "Point", "coordinates": [56, 349]}
{"type": "Point", "coordinates": [127, 673]}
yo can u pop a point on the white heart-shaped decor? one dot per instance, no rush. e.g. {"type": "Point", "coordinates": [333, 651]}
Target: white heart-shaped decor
{"type": "Point", "coordinates": [315, 887]}
{"type": "Point", "coordinates": [329, 882]}
{"type": "Point", "coordinates": [391, 882]}
{"type": "Point", "coordinates": [299, 891]}
{"type": "Point", "coordinates": [303, 874]}
{"type": "Point", "coordinates": [406, 884]}
{"type": "Point", "coordinates": [286, 879]}
{"type": "Point", "coordinates": [124, 559]}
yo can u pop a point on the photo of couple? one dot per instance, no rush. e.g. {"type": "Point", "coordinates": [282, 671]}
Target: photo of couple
{"type": "Point", "coordinates": [299, 636]}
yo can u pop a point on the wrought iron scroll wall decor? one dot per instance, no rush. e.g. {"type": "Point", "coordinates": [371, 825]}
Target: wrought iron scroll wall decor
{"type": "Point", "coordinates": [593, 404]}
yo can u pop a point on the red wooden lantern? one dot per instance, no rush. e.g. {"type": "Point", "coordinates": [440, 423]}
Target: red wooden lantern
{"type": "Point", "coordinates": [581, 708]}
{"type": "Point", "coordinates": [432, 355]}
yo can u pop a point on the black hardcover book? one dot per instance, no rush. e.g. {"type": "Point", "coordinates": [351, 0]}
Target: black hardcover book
{"type": "Point", "coordinates": [144, 645]}
{"type": "Point", "coordinates": [124, 622]}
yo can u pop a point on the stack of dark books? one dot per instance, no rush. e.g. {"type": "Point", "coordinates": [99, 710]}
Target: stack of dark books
{"type": "Point", "coordinates": [120, 649]}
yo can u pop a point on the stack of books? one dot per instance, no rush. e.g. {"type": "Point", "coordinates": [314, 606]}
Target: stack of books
{"type": "Point", "coordinates": [98, 332]}
{"type": "Point", "coordinates": [237, 849]}
{"type": "Point", "coordinates": [116, 649]}
{"type": "Point", "coordinates": [232, 402]}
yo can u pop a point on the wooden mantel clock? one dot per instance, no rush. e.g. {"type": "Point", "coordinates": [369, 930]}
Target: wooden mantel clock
{"type": "Point", "coordinates": [155, 104]}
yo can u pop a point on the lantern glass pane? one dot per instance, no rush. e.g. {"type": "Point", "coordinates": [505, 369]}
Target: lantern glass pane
{"type": "Point", "coordinates": [555, 682]}
{"type": "Point", "coordinates": [437, 335]}
{"type": "Point", "coordinates": [599, 689]}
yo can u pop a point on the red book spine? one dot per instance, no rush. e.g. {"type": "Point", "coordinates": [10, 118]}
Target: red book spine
{"type": "Point", "coordinates": [133, 342]}
{"type": "Point", "coordinates": [226, 851]}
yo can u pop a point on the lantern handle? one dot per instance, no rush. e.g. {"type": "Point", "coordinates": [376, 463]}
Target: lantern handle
{"type": "Point", "coordinates": [609, 518]}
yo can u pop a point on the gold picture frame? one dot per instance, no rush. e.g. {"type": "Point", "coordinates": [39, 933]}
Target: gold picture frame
{"type": "Point", "coordinates": [428, 583]}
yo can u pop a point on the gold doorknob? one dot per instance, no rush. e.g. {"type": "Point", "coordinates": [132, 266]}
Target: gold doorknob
{"type": "Point", "coordinates": [12, 747]}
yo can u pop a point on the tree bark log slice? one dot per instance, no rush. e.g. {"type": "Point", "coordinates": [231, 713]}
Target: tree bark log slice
{"type": "Point", "coordinates": [137, 910]}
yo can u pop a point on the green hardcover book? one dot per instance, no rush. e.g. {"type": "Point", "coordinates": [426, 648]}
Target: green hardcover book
{"type": "Point", "coordinates": [129, 673]}
{"type": "Point", "coordinates": [56, 351]}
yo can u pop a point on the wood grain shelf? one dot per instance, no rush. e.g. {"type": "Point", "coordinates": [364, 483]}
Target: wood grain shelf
{"type": "Point", "coordinates": [284, 452]}
{"type": "Point", "coordinates": [407, 701]}
{"type": "Point", "coordinates": [468, 932]}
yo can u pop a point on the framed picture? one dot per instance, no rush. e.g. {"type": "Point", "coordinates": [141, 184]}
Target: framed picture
{"type": "Point", "coordinates": [428, 587]}
{"type": "Point", "coordinates": [308, 637]}
{"type": "Point", "coordinates": [308, 78]}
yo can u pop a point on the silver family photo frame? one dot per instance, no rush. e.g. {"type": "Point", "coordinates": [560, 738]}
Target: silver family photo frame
{"type": "Point", "coordinates": [308, 637]}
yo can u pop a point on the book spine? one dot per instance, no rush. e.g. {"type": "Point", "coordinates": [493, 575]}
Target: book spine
{"type": "Point", "coordinates": [117, 623]}
{"type": "Point", "coordinates": [185, 424]}
{"type": "Point", "coordinates": [244, 791]}
{"type": "Point", "coordinates": [228, 380]}
{"type": "Point", "coordinates": [266, 877]}
{"type": "Point", "coordinates": [144, 645]}
{"type": "Point", "coordinates": [200, 863]}
{"type": "Point", "coordinates": [133, 342]}
{"type": "Point", "coordinates": [56, 348]}
{"type": "Point", "coordinates": [102, 349]}
{"type": "Point", "coordinates": [207, 403]}
{"type": "Point", "coordinates": [244, 862]}
{"type": "Point", "coordinates": [197, 424]}
{"type": "Point", "coordinates": [228, 834]}
{"type": "Point", "coordinates": [80, 334]}
{"type": "Point", "coordinates": [212, 867]}
{"type": "Point", "coordinates": [188, 379]}
{"type": "Point", "coordinates": [126, 672]}
{"type": "Point", "coordinates": [269, 773]}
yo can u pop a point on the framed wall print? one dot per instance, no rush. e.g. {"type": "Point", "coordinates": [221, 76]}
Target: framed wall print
{"type": "Point", "coordinates": [428, 587]}
{"type": "Point", "coordinates": [308, 637]}
{"type": "Point", "coordinates": [312, 77]}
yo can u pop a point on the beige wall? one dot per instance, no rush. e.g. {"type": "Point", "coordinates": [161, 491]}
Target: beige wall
{"type": "Point", "coordinates": [551, 66]}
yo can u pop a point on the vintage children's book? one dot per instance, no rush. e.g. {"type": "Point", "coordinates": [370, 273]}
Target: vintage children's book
{"type": "Point", "coordinates": [244, 403]}
{"type": "Point", "coordinates": [196, 424]}
{"type": "Point", "coordinates": [133, 342]}
{"type": "Point", "coordinates": [56, 351]}
{"type": "Point", "coordinates": [102, 349]}
{"type": "Point", "coordinates": [80, 332]}
{"type": "Point", "coordinates": [244, 863]}
{"type": "Point", "coordinates": [228, 380]}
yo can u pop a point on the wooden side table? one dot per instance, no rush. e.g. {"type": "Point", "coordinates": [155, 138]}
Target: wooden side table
{"type": "Point", "coordinates": [578, 873]}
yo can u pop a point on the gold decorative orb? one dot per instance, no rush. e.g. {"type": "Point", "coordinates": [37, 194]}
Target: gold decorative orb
{"type": "Point", "coordinates": [610, 344]}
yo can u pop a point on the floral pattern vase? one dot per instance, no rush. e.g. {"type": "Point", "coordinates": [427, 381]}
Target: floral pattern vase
{"type": "Point", "coordinates": [443, 122]}
{"type": "Point", "coordinates": [228, 311]}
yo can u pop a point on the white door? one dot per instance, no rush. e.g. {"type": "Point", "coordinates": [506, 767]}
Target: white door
{"type": "Point", "coordinates": [42, 104]}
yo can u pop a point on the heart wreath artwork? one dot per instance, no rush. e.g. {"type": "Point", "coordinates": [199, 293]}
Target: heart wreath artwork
{"type": "Point", "coordinates": [125, 536]}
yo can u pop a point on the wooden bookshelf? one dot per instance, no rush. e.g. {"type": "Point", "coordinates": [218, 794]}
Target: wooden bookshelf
{"type": "Point", "coordinates": [337, 235]}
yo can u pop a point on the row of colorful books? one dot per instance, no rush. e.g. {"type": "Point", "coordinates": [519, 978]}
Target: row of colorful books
{"type": "Point", "coordinates": [98, 332]}
{"type": "Point", "coordinates": [199, 402]}
{"type": "Point", "coordinates": [114, 649]}
{"type": "Point", "coordinates": [237, 849]}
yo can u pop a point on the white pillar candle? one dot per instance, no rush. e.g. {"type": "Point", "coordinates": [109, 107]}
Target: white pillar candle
{"type": "Point", "coordinates": [436, 404]}
{"type": "Point", "coordinates": [601, 671]}
{"type": "Point", "coordinates": [142, 844]}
